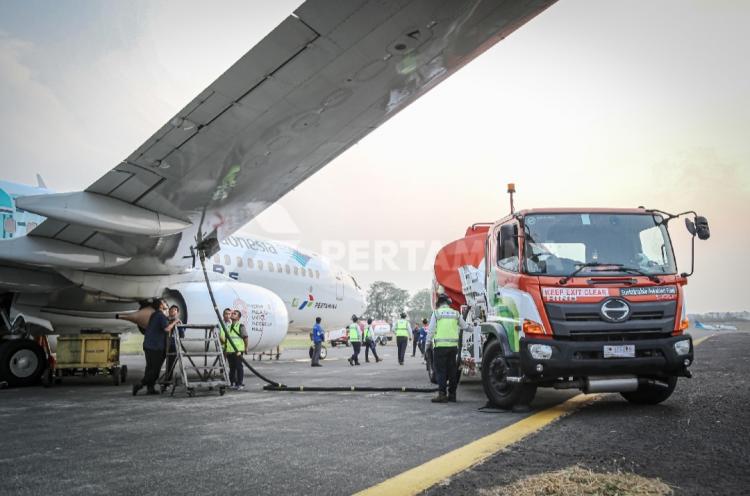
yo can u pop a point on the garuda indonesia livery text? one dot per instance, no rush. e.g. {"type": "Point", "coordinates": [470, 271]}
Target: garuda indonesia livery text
{"type": "Point", "coordinates": [323, 79]}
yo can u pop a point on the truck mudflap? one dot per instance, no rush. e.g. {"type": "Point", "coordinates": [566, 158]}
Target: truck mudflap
{"type": "Point", "coordinates": [656, 357]}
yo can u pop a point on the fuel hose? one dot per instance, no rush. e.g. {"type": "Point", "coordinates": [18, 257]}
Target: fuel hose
{"type": "Point", "coordinates": [277, 386]}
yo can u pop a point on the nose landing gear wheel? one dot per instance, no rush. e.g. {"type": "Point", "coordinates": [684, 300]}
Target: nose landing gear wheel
{"type": "Point", "coordinates": [22, 362]}
{"type": "Point", "coordinates": [323, 352]}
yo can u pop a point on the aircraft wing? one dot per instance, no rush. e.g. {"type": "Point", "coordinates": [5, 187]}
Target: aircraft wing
{"type": "Point", "coordinates": [324, 78]}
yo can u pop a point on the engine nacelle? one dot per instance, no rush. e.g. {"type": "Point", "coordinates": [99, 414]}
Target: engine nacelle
{"type": "Point", "coordinates": [263, 313]}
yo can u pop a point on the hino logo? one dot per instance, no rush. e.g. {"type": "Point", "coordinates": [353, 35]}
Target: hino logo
{"type": "Point", "coordinates": [615, 310]}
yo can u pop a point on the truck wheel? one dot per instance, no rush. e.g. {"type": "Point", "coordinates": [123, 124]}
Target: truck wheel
{"type": "Point", "coordinates": [430, 369]}
{"type": "Point", "coordinates": [650, 395]}
{"type": "Point", "coordinates": [323, 352]}
{"type": "Point", "coordinates": [500, 392]}
{"type": "Point", "coordinates": [22, 362]}
{"type": "Point", "coordinates": [310, 352]}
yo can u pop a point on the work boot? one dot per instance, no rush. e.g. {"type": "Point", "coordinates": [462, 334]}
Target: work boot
{"type": "Point", "coordinates": [151, 390]}
{"type": "Point", "coordinates": [379, 360]}
{"type": "Point", "coordinates": [440, 398]}
{"type": "Point", "coordinates": [136, 388]}
{"type": "Point", "coordinates": [367, 360]}
{"type": "Point", "coordinates": [452, 397]}
{"type": "Point", "coordinates": [351, 362]}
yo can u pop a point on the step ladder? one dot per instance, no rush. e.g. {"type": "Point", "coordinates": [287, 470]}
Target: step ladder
{"type": "Point", "coordinates": [200, 365]}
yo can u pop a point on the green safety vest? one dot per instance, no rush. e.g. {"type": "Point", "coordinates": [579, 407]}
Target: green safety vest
{"type": "Point", "coordinates": [354, 333]}
{"type": "Point", "coordinates": [235, 335]}
{"type": "Point", "coordinates": [446, 328]}
{"type": "Point", "coordinates": [368, 333]}
{"type": "Point", "coordinates": [402, 328]}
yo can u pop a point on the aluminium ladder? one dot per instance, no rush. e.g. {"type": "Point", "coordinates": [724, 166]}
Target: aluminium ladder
{"type": "Point", "coordinates": [199, 365]}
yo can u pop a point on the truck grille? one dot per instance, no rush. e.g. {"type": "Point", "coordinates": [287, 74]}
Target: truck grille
{"type": "Point", "coordinates": [583, 322]}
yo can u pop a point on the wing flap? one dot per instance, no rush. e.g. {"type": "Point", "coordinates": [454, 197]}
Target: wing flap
{"type": "Point", "coordinates": [140, 182]}
{"type": "Point", "coordinates": [109, 182]}
{"type": "Point", "coordinates": [273, 52]}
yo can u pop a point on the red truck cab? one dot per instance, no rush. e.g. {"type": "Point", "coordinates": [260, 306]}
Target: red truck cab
{"type": "Point", "coordinates": [575, 298]}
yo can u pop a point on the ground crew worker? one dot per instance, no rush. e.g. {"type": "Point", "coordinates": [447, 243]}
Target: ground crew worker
{"type": "Point", "coordinates": [402, 329]}
{"type": "Point", "coordinates": [414, 340]}
{"type": "Point", "coordinates": [443, 334]}
{"type": "Point", "coordinates": [174, 315]}
{"type": "Point", "coordinates": [318, 336]}
{"type": "Point", "coordinates": [370, 343]}
{"type": "Point", "coordinates": [355, 339]}
{"type": "Point", "coordinates": [422, 336]}
{"type": "Point", "coordinates": [237, 336]}
{"type": "Point", "coordinates": [154, 346]}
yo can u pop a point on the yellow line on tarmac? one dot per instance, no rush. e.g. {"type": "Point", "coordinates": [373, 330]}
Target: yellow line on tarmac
{"type": "Point", "coordinates": [700, 340]}
{"type": "Point", "coordinates": [424, 476]}
{"type": "Point", "coordinates": [428, 474]}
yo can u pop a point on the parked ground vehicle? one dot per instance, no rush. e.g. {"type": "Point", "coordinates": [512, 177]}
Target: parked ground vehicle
{"type": "Point", "coordinates": [584, 299]}
{"type": "Point", "coordinates": [338, 337]}
{"type": "Point", "coordinates": [382, 332]}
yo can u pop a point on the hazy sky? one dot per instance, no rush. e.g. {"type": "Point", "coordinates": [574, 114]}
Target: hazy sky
{"type": "Point", "coordinates": [617, 103]}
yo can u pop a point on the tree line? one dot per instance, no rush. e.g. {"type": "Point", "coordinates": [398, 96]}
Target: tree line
{"type": "Point", "coordinates": [385, 299]}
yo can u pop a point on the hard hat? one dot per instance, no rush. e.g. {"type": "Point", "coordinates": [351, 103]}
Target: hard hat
{"type": "Point", "coordinates": [354, 318]}
{"type": "Point", "coordinates": [444, 299]}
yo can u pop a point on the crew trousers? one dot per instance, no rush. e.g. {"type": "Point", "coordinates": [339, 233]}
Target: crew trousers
{"type": "Point", "coordinates": [356, 346]}
{"type": "Point", "coordinates": [154, 361]}
{"type": "Point", "coordinates": [316, 353]}
{"type": "Point", "coordinates": [370, 345]}
{"type": "Point", "coordinates": [236, 369]}
{"type": "Point", "coordinates": [401, 342]}
{"type": "Point", "coordinates": [446, 368]}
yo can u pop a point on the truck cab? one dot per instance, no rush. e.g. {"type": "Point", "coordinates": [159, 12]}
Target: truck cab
{"type": "Point", "coordinates": [586, 299]}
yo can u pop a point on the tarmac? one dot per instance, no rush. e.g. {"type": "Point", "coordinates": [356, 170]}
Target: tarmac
{"type": "Point", "coordinates": [697, 441]}
{"type": "Point", "coordinates": [87, 436]}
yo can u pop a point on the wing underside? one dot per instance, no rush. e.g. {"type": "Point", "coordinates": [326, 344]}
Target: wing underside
{"type": "Point", "coordinates": [324, 78]}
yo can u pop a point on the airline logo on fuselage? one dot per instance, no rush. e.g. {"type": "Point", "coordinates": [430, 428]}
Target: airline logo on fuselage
{"type": "Point", "coordinates": [250, 244]}
{"type": "Point", "coordinates": [300, 258]}
{"type": "Point", "coordinates": [311, 303]}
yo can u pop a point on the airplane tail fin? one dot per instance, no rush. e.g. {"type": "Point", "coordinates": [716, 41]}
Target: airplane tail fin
{"type": "Point", "coordinates": [40, 182]}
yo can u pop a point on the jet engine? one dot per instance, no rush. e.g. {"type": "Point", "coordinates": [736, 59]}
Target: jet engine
{"type": "Point", "coordinates": [263, 313]}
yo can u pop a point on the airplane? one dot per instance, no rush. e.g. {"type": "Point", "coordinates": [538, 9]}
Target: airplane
{"type": "Point", "coordinates": [714, 327]}
{"type": "Point", "coordinates": [309, 285]}
{"type": "Point", "coordinates": [323, 79]}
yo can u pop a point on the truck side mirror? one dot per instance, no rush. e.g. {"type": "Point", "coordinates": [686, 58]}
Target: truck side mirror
{"type": "Point", "coordinates": [690, 226]}
{"type": "Point", "coordinates": [701, 228]}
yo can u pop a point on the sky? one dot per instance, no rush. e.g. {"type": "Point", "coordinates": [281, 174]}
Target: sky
{"type": "Point", "coordinates": [598, 104]}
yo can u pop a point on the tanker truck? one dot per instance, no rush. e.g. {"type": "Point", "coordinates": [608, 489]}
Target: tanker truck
{"type": "Point", "coordinates": [571, 298]}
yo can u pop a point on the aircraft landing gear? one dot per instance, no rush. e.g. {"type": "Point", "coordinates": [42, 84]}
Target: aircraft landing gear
{"type": "Point", "coordinates": [22, 362]}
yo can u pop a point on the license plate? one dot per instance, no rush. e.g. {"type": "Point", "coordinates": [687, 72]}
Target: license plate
{"type": "Point", "coordinates": [619, 351]}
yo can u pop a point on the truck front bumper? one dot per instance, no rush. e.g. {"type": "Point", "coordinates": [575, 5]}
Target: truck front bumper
{"type": "Point", "coordinates": [655, 357]}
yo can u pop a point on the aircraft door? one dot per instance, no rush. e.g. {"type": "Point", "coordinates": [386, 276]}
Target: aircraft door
{"type": "Point", "coordinates": [339, 286]}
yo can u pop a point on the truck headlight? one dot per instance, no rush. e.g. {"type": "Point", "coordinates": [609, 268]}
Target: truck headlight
{"type": "Point", "coordinates": [540, 351]}
{"type": "Point", "coordinates": [682, 347]}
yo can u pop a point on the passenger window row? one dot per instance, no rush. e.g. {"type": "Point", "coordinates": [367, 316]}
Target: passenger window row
{"type": "Point", "coordinates": [270, 266]}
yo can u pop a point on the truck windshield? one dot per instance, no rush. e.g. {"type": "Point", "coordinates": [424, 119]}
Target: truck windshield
{"type": "Point", "coordinates": [558, 244]}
